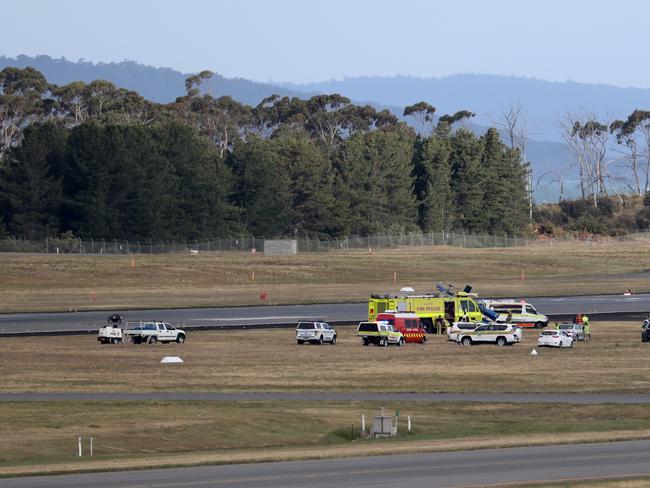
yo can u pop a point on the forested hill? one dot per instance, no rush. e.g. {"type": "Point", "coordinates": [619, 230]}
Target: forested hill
{"type": "Point", "coordinates": [162, 85]}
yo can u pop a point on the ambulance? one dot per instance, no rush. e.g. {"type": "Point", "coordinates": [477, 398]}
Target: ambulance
{"type": "Point", "coordinates": [520, 312]}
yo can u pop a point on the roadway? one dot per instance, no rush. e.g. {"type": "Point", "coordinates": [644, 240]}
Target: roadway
{"type": "Point", "coordinates": [318, 396]}
{"type": "Point", "coordinates": [430, 470]}
{"type": "Point", "coordinates": [269, 316]}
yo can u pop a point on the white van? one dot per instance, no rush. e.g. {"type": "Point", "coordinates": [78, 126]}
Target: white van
{"type": "Point", "coordinates": [521, 313]}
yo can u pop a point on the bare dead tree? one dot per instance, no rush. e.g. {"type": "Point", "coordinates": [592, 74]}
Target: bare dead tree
{"type": "Point", "coordinates": [587, 139]}
{"type": "Point", "coordinates": [513, 125]}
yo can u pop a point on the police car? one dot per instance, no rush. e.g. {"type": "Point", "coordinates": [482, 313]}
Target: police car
{"type": "Point", "coordinates": [495, 333]}
{"type": "Point", "coordinates": [521, 313]}
{"type": "Point", "coordinates": [458, 328]}
{"type": "Point", "coordinates": [380, 333]}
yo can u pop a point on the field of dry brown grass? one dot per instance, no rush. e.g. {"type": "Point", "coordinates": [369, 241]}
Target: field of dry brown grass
{"type": "Point", "coordinates": [33, 282]}
{"type": "Point", "coordinates": [41, 437]}
{"type": "Point", "coordinates": [270, 360]}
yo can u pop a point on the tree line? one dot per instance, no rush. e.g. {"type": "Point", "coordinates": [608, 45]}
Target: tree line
{"type": "Point", "coordinates": [103, 162]}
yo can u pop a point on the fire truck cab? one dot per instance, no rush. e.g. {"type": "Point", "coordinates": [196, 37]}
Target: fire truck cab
{"type": "Point", "coordinates": [435, 311]}
{"type": "Point", "coordinates": [407, 323]}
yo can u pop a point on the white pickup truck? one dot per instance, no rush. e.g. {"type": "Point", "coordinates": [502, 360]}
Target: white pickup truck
{"type": "Point", "coordinates": [152, 331]}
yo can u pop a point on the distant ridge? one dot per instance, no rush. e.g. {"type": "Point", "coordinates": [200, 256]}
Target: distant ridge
{"type": "Point", "coordinates": [543, 101]}
{"type": "Point", "coordinates": [161, 85]}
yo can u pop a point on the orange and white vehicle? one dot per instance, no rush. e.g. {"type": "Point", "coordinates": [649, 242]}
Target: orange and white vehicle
{"type": "Point", "coordinates": [407, 323]}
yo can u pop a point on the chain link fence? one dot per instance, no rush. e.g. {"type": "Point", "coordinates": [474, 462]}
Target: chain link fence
{"type": "Point", "coordinates": [305, 244]}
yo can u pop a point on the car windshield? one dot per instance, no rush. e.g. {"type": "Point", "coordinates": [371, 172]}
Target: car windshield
{"type": "Point", "coordinates": [367, 327]}
{"type": "Point", "coordinates": [306, 326]}
{"type": "Point", "coordinates": [549, 333]}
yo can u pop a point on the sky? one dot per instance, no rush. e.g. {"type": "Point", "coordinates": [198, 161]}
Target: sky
{"type": "Point", "coordinates": [592, 41]}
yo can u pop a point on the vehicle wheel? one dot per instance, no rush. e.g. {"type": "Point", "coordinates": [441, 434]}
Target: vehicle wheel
{"type": "Point", "coordinates": [114, 340]}
{"type": "Point", "coordinates": [501, 341]}
{"type": "Point", "coordinates": [401, 342]}
{"type": "Point", "coordinates": [466, 341]}
{"type": "Point", "coordinates": [180, 339]}
{"type": "Point", "coordinates": [137, 340]}
{"type": "Point", "coordinates": [153, 340]}
{"type": "Point", "coordinates": [320, 340]}
{"type": "Point", "coordinates": [365, 342]}
{"type": "Point", "coordinates": [383, 342]}
{"type": "Point", "coordinates": [424, 340]}
{"type": "Point", "coordinates": [333, 341]}
{"type": "Point", "coordinates": [539, 325]}
{"type": "Point", "coordinates": [300, 341]}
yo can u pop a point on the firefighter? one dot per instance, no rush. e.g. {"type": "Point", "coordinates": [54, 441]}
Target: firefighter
{"type": "Point", "coordinates": [585, 320]}
{"type": "Point", "coordinates": [587, 331]}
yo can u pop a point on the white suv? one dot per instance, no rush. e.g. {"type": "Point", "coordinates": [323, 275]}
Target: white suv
{"type": "Point", "coordinates": [315, 332]}
{"type": "Point", "coordinates": [496, 333]}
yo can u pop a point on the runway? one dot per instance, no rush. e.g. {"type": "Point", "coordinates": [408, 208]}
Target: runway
{"type": "Point", "coordinates": [615, 306]}
{"type": "Point", "coordinates": [431, 470]}
{"type": "Point", "coordinates": [568, 398]}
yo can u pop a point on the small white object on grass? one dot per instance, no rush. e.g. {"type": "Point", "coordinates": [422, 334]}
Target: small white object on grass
{"type": "Point", "coordinates": [171, 359]}
{"type": "Point", "coordinates": [533, 352]}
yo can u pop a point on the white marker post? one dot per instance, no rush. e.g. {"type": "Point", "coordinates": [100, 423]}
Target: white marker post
{"type": "Point", "coordinates": [79, 442]}
{"type": "Point", "coordinates": [409, 422]}
{"type": "Point", "coordinates": [363, 423]}
{"type": "Point", "coordinates": [91, 445]}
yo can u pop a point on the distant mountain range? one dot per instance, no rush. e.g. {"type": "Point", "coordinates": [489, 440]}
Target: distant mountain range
{"type": "Point", "coordinates": [544, 103]}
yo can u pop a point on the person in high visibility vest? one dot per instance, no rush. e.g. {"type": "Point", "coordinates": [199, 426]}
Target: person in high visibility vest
{"type": "Point", "coordinates": [585, 328]}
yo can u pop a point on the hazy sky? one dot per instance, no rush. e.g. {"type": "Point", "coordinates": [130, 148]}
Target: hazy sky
{"type": "Point", "coordinates": [595, 41]}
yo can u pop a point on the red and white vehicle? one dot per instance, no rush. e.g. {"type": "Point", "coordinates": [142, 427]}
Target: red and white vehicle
{"type": "Point", "coordinates": [407, 323]}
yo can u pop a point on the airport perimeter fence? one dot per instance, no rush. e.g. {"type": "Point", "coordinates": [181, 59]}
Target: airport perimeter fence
{"type": "Point", "coordinates": [305, 244]}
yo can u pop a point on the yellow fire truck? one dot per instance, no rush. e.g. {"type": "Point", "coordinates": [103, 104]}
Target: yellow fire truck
{"type": "Point", "coordinates": [435, 310]}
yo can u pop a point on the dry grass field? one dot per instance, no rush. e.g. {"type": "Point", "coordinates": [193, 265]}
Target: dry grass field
{"type": "Point", "coordinates": [52, 282]}
{"type": "Point", "coordinates": [270, 360]}
{"type": "Point", "coordinates": [43, 436]}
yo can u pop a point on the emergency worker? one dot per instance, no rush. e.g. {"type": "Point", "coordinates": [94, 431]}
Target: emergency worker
{"type": "Point", "coordinates": [587, 331]}
{"type": "Point", "coordinates": [585, 320]}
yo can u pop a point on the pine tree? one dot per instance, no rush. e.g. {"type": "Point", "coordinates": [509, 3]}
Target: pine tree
{"type": "Point", "coordinates": [30, 182]}
{"type": "Point", "coordinates": [262, 189]}
{"type": "Point", "coordinates": [466, 178]}
{"type": "Point", "coordinates": [375, 171]}
{"type": "Point", "coordinates": [433, 183]}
